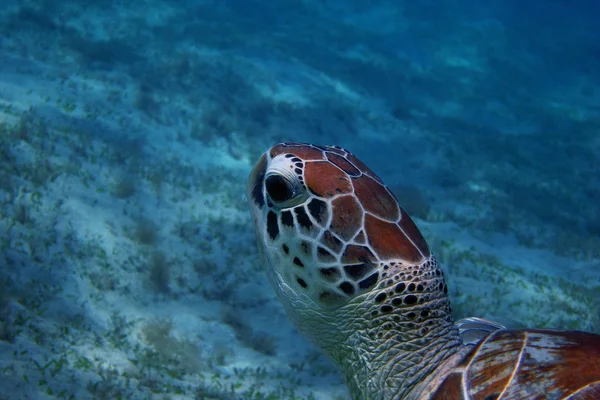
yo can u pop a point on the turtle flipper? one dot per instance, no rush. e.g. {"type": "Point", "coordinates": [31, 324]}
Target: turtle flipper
{"type": "Point", "coordinates": [473, 329]}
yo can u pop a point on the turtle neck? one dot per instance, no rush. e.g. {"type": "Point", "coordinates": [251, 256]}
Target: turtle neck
{"type": "Point", "coordinates": [390, 340]}
{"type": "Point", "coordinates": [390, 357]}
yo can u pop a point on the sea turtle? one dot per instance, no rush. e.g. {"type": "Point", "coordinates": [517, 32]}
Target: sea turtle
{"type": "Point", "coordinates": [356, 276]}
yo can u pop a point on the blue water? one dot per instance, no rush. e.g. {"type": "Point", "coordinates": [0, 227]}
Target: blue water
{"type": "Point", "coordinates": [128, 128]}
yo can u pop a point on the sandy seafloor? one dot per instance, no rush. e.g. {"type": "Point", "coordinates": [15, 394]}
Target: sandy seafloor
{"type": "Point", "coordinates": [127, 131]}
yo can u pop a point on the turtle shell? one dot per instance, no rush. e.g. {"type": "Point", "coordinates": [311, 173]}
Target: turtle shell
{"type": "Point", "coordinates": [526, 364]}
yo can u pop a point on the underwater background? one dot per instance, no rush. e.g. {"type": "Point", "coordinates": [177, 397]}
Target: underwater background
{"type": "Point", "coordinates": [128, 265]}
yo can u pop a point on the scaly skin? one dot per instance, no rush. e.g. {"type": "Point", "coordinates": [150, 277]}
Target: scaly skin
{"type": "Point", "coordinates": [383, 356]}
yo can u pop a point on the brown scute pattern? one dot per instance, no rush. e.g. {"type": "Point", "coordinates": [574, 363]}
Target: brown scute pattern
{"type": "Point", "coordinates": [347, 217]}
{"type": "Point", "coordinates": [363, 168]}
{"type": "Point", "coordinates": [591, 392]}
{"type": "Point", "coordinates": [376, 199]}
{"type": "Point", "coordinates": [357, 271]}
{"type": "Point", "coordinates": [408, 226]}
{"type": "Point", "coordinates": [336, 150]}
{"type": "Point", "coordinates": [292, 143]}
{"type": "Point", "coordinates": [389, 241]}
{"type": "Point", "coordinates": [332, 242]}
{"type": "Point", "coordinates": [319, 210]}
{"type": "Point", "coordinates": [528, 364]}
{"type": "Point", "coordinates": [320, 147]}
{"type": "Point", "coordinates": [505, 358]}
{"type": "Point", "coordinates": [332, 149]}
{"type": "Point", "coordinates": [336, 256]}
{"type": "Point", "coordinates": [354, 254]}
{"type": "Point", "coordinates": [325, 255]}
{"type": "Point", "coordinates": [300, 150]}
{"type": "Point", "coordinates": [360, 238]}
{"type": "Point", "coordinates": [326, 180]}
{"type": "Point", "coordinates": [450, 388]}
{"type": "Point", "coordinates": [343, 164]}
{"type": "Point", "coordinates": [551, 362]}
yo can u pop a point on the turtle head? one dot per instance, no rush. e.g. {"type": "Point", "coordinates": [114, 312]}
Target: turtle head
{"type": "Point", "coordinates": [329, 229]}
{"type": "Point", "coordinates": [347, 262]}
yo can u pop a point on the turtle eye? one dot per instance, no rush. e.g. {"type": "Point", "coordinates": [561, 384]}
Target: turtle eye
{"type": "Point", "coordinates": [279, 189]}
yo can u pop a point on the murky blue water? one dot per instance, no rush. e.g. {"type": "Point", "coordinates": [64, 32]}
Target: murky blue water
{"type": "Point", "coordinates": [128, 129]}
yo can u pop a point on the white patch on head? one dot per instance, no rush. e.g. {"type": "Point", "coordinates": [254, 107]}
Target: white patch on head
{"type": "Point", "coordinates": [284, 167]}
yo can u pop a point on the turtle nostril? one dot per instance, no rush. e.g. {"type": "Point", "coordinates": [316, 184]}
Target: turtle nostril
{"type": "Point", "coordinates": [278, 189]}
